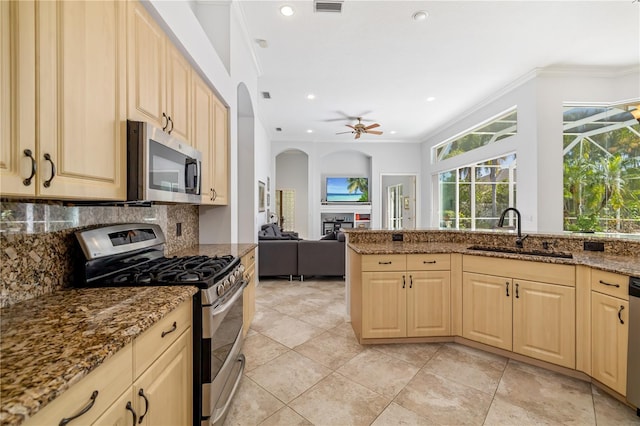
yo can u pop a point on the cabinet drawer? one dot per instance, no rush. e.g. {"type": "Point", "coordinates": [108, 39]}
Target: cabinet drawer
{"type": "Point", "coordinates": [249, 259]}
{"type": "Point", "coordinates": [109, 380]}
{"type": "Point", "coordinates": [158, 338]}
{"type": "Point", "coordinates": [428, 262]}
{"type": "Point", "coordinates": [384, 262]}
{"type": "Point", "coordinates": [615, 285]}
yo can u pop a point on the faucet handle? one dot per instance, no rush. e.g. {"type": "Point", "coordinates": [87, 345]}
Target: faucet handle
{"type": "Point", "coordinates": [519, 241]}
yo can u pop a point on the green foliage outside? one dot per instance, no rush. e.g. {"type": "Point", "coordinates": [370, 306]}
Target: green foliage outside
{"type": "Point", "coordinates": [602, 182]}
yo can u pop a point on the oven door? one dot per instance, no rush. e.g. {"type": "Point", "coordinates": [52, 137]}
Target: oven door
{"type": "Point", "coordinates": [221, 356]}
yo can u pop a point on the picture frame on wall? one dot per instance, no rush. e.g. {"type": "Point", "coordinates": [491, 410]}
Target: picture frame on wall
{"type": "Point", "coordinates": [261, 196]}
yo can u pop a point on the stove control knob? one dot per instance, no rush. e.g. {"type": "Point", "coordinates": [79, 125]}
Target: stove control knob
{"type": "Point", "coordinates": [219, 289]}
{"type": "Point", "coordinates": [232, 280]}
{"type": "Point", "coordinates": [241, 268]}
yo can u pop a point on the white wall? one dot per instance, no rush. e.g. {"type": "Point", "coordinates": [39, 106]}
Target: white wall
{"type": "Point", "coordinates": [399, 158]}
{"type": "Point", "coordinates": [539, 97]}
{"type": "Point", "coordinates": [179, 21]}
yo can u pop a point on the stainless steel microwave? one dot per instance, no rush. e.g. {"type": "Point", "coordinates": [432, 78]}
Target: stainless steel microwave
{"type": "Point", "coordinates": [161, 167]}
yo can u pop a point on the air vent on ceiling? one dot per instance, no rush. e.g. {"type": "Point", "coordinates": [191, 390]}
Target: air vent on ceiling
{"type": "Point", "coordinates": [266, 95]}
{"type": "Point", "coordinates": [278, 129]}
{"type": "Point", "coordinates": [328, 6]}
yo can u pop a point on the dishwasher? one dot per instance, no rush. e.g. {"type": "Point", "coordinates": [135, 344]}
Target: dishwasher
{"type": "Point", "coordinates": [633, 355]}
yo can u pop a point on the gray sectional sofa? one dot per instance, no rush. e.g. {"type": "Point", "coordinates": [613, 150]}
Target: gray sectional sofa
{"type": "Point", "coordinates": [282, 256]}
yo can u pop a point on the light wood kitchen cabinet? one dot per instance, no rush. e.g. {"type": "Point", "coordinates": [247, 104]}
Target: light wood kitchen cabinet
{"type": "Point", "coordinates": [221, 154]}
{"type": "Point", "coordinates": [487, 309]}
{"type": "Point", "coordinates": [18, 100]}
{"type": "Point", "coordinates": [158, 76]}
{"type": "Point", "coordinates": [609, 331]}
{"type": "Point", "coordinates": [78, 101]}
{"type": "Point", "coordinates": [249, 295]}
{"type": "Point", "coordinates": [210, 138]}
{"type": "Point", "coordinates": [203, 134]}
{"type": "Point", "coordinates": [121, 412]}
{"type": "Point", "coordinates": [401, 302]}
{"type": "Point", "coordinates": [92, 395]}
{"type": "Point", "coordinates": [163, 392]}
{"type": "Point", "coordinates": [158, 362]}
{"type": "Point", "coordinates": [384, 305]}
{"type": "Point", "coordinates": [519, 313]}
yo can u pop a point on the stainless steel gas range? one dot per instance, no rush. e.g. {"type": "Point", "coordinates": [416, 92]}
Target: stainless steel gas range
{"type": "Point", "coordinates": [133, 255]}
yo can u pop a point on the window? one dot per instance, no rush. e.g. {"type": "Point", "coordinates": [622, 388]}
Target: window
{"type": "Point", "coordinates": [484, 134]}
{"type": "Point", "coordinates": [473, 197]}
{"type": "Point", "coordinates": [602, 168]}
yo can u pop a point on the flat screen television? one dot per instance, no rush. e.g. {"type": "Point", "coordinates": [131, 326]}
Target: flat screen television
{"type": "Point", "coordinates": [348, 189]}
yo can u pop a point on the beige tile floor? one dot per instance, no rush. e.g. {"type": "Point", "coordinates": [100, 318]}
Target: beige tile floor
{"type": "Point", "coordinates": [304, 366]}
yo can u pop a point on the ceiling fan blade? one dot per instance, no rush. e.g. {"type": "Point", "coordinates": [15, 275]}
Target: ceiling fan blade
{"type": "Point", "coordinates": [357, 135]}
{"type": "Point", "coordinates": [349, 125]}
{"type": "Point", "coordinates": [373, 132]}
{"type": "Point", "coordinates": [373, 126]}
{"type": "Point", "coordinates": [342, 133]}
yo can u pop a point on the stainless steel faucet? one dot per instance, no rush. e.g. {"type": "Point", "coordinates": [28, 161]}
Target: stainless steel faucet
{"type": "Point", "coordinates": [501, 224]}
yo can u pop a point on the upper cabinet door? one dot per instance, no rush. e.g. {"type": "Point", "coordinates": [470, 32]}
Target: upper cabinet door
{"type": "Point", "coordinates": [178, 94]}
{"type": "Point", "coordinates": [203, 134]}
{"type": "Point", "coordinates": [146, 44]}
{"type": "Point", "coordinates": [221, 154]}
{"type": "Point", "coordinates": [82, 106]}
{"type": "Point", "coordinates": [18, 99]}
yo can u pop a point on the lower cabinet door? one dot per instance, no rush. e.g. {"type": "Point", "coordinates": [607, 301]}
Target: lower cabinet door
{"type": "Point", "coordinates": [163, 393]}
{"type": "Point", "coordinates": [428, 302]}
{"type": "Point", "coordinates": [121, 413]}
{"type": "Point", "coordinates": [609, 341]}
{"type": "Point", "coordinates": [384, 304]}
{"type": "Point", "coordinates": [544, 325]}
{"type": "Point", "coordinates": [486, 309]}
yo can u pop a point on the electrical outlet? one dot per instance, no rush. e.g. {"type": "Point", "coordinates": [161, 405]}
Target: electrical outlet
{"type": "Point", "coordinates": [397, 237]}
{"type": "Point", "coordinates": [593, 246]}
{"type": "Point", "coordinates": [178, 229]}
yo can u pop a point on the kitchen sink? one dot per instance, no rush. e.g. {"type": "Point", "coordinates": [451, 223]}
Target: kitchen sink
{"type": "Point", "coordinates": [560, 254]}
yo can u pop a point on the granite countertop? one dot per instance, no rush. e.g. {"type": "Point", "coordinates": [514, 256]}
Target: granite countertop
{"type": "Point", "coordinates": [629, 265]}
{"type": "Point", "coordinates": [49, 343]}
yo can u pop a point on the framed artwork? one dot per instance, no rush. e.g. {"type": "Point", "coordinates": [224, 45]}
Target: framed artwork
{"type": "Point", "coordinates": [261, 196]}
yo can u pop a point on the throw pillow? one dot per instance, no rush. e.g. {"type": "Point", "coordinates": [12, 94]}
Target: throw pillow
{"type": "Point", "coordinates": [330, 236]}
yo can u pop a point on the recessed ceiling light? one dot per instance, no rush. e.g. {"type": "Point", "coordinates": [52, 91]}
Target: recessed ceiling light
{"type": "Point", "coordinates": [262, 43]}
{"type": "Point", "coordinates": [420, 15]}
{"type": "Point", "coordinates": [309, 131]}
{"type": "Point", "coordinates": [393, 132]}
{"type": "Point", "coordinates": [287, 10]}
{"type": "Point", "coordinates": [431, 99]}
{"type": "Point", "coordinates": [311, 96]}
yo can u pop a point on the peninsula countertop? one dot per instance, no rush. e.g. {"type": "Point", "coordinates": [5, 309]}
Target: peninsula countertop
{"type": "Point", "coordinates": [629, 265]}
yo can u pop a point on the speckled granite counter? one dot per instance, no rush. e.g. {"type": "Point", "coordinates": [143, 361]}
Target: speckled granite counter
{"type": "Point", "coordinates": [629, 265]}
{"type": "Point", "coordinates": [237, 250]}
{"type": "Point", "coordinates": [51, 342]}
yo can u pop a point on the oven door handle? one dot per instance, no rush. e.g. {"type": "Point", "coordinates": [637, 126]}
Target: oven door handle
{"type": "Point", "coordinates": [220, 309]}
{"type": "Point", "coordinates": [220, 412]}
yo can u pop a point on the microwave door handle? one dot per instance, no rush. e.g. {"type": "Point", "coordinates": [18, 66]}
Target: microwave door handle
{"type": "Point", "coordinates": [188, 163]}
{"type": "Point", "coordinates": [198, 177]}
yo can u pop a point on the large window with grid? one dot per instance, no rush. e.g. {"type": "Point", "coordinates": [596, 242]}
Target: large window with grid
{"type": "Point", "coordinates": [472, 197]}
{"type": "Point", "coordinates": [601, 165]}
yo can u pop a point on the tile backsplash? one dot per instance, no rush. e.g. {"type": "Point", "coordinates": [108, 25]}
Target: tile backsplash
{"type": "Point", "coordinates": [38, 247]}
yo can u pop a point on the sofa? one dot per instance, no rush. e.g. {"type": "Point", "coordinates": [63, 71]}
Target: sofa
{"type": "Point", "coordinates": [292, 256]}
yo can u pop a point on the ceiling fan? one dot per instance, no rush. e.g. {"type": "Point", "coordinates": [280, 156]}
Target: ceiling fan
{"type": "Point", "coordinates": [360, 128]}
